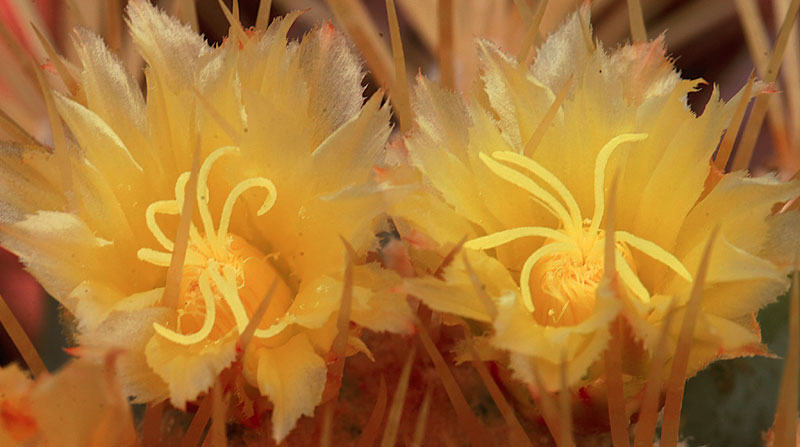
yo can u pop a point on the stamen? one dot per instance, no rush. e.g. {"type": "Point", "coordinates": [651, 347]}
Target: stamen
{"type": "Point", "coordinates": [154, 257]}
{"type": "Point", "coordinates": [503, 237]}
{"type": "Point", "coordinates": [209, 251]}
{"type": "Point", "coordinates": [630, 279]}
{"type": "Point", "coordinates": [600, 174]}
{"type": "Point", "coordinates": [652, 250]}
{"type": "Point", "coordinates": [180, 188]}
{"type": "Point", "coordinates": [276, 328]}
{"type": "Point", "coordinates": [548, 177]}
{"type": "Point", "coordinates": [512, 176]}
{"type": "Point", "coordinates": [203, 196]}
{"type": "Point", "coordinates": [527, 268]}
{"type": "Point", "coordinates": [238, 190]}
{"type": "Point", "coordinates": [230, 293]}
{"type": "Point", "coordinates": [208, 319]}
{"type": "Point", "coordinates": [161, 207]}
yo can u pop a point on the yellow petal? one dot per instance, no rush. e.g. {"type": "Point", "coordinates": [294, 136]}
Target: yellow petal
{"type": "Point", "coordinates": [333, 74]}
{"type": "Point", "coordinates": [517, 331]}
{"type": "Point", "coordinates": [114, 95]}
{"type": "Point", "coordinates": [362, 135]}
{"type": "Point", "coordinates": [25, 179]}
{"type": "Point", "coordinates": [189, 370]}
{"type": "Point", "coordinates": [741, 205]}
{"type": "Point", "coordinates": [171, 48]}
{"type": "Point", "coordinates": [379, 303]}
{"type": "Point", "coordinates": [564, 50]}
{"type": "Point", "coordinates": [519, 99]}
{"type": "Point", "coordinates": [130, 332]}
{"type": "Point", "coordinates": [45, 239]}
{"type": "Point", "coordinates": [293, 377]}
{"type": "Point", "coordinates": [456, 294]}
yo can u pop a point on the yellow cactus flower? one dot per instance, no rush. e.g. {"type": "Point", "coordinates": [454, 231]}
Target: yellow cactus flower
{"type": "Point", "coordinates": [522, 170]}
{"type": "Point", "coordinates": [283, 172]}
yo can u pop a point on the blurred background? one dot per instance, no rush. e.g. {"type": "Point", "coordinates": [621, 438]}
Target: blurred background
{"type": "Point", "coordinates": [721, 41]}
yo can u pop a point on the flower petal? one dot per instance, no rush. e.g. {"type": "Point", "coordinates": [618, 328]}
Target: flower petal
{"type": "Point", "coordinates": [113, 95]}
{"type": "Point", "coordinates": [131, 331]}
{"type": "Point", "coordinates": [171, 48]}
{"type": "Point", "coordinates": [378, 302]}
{"type": "Point", "coordinates": [293, 377]}
{"type": "Point", "coordinates": [189, 370]}
{"type": "Point", "coordinates": [25, 183]}
{"type": "Point", "coordinates": [43, 240]}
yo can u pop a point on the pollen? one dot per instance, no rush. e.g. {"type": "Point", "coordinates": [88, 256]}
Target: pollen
{"type": "Point", "coordinates": [563, 282]}
{"type": "Point", "coordinates": [224, 277]}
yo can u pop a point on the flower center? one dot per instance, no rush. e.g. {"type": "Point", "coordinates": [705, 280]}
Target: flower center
{"type": "Point", "coordinates": [559, 280]}
{"type": "Point", "coordinates": [236, 282]}
{"type": "Point", "coordinates": [563, 282]}
{"type": "Point", "coordinates": [224, 278]}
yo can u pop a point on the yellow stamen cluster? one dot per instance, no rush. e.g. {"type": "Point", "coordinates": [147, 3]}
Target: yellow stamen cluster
{"type": "Point", "coordinates": [220, 267]}
{"type": "Point", "coordinates": [560, 278]}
